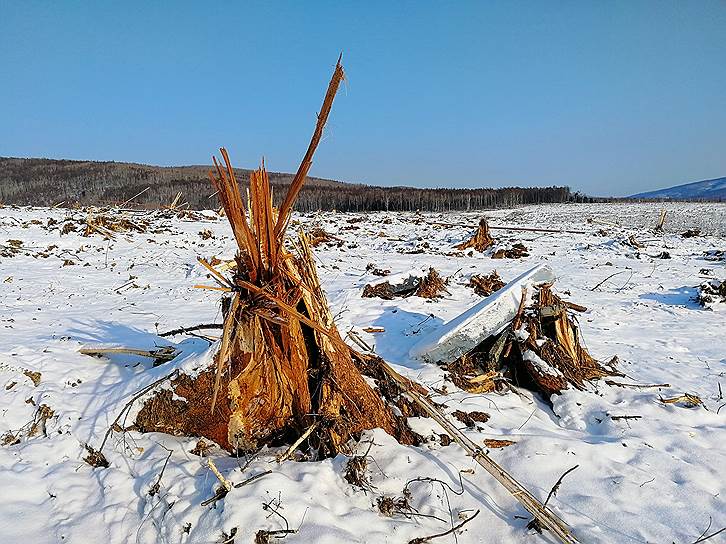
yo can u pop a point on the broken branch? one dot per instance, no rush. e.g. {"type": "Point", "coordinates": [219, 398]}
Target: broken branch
{"type": "Point", "coordinates": [423, 540]}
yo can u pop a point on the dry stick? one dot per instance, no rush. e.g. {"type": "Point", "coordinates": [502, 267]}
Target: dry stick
{"type": "Point", "coordinates": [253, 478]}
{"type": "Point", "coordinates": [224, 481]}
{"type": "Point", "coordinates": [222, 491]}
{"type": "Point", "coordinates": [133, 399]}
{"type": "Point", "coordinates": [297, 442]}
{"type": "Point", "coordinates": [424, 539]}
{"type": "Point", "coordinates": [554, 489]}
{"type": "Point", "coordinates": [606, 279]}
{"type": "Point", "coordinates": [213, 288]}
{"type": "Point", "coordinates": [182, 330]}
{"type": "Point", "coordinates": [154, 489]}
{"type": "Point", "coordinates": [703, 539]}
{"type": "Point", "coordinates": [220, 278]}
{"type": "Point", "coordinates": [548, 519]}
{"type": "Point", "coordinates": [130, 199]}
{"type": "Point", "coordinates": [299, 179]}
{"type": "Point", "coordinates": [575, 307]}
{"type": "Point", "coordinates": [636, 385]}
{"type": "Point", "coordinates": [358, 340]}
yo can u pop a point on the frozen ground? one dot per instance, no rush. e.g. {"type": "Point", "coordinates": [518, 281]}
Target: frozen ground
{"type": "Point", "coordinates": [656, 479]}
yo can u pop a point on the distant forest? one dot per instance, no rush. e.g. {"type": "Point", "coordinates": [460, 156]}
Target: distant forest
{"type": "Point", "coordinates": [48, 182]}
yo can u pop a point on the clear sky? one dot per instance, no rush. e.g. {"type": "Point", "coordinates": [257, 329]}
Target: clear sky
{"type": "Point", "coordinates": [609, 97]}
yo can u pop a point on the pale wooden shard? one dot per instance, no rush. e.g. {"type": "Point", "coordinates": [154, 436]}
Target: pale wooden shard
{"type": "Point", "coordinates": [488, 317]}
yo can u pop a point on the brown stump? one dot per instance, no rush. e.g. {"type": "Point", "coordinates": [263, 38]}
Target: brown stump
{"type": "Point", "coordinates": [548, 359]}
{"type": "Point", "coordinates": [282, 366]}
{"type": "Point", "coordinates": [562, 352]}
{"type": "Point", "coordinates": [481, 240]}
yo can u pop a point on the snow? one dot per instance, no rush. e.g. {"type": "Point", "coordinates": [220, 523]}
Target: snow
{"type": "Point", "coordinates": [654, 479]}
{"type": "Point", "coordinates": [540, 364]}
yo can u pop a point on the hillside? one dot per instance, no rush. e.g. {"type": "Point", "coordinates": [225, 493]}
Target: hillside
{"type": "Point", "coordinates": [50, 181]}
{"type": "Point", "coordinates": [710, 189]}
{"type": "Point", "coordinates": [47, 182]}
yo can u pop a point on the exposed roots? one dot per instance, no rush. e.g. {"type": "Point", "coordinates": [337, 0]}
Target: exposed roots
{"type": "Point", "coordinates": [517, 251]}
{"type": "Point", "coordinates": [105, 225]}
{"type": "Point", "coordinates": [389, 291]}
{"type": "Point", "coordinates": [185, 411]}
{"type": "Point", "coordinates": [486, 285]}
{"type": "Point", "coordinates": [432, 285]}
{"type": "Point", "coordinates": [711, 292]}
{"type": "Point", "coordinates": [319, 236]}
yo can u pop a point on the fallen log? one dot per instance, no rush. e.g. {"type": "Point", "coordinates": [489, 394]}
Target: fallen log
{"type": "Point", "coordinates": [520, 229]}
{"type": "Point", "coordinates": [161, 355]}
{"type": "Point", "coordinates": [545, 516]}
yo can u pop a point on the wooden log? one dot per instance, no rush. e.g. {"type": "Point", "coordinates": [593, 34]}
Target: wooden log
{"type": "Point", "coordinates": [546, 517]}
{"type": "Point", "coordinates": [522, 229]}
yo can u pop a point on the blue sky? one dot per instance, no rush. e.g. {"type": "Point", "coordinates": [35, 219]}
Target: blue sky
{"type": "Point", "coordinates": [611, 98]}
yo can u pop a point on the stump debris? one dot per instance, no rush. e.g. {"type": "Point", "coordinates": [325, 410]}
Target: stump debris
{"type": "Point", "coordinates": [517, 251]}
{"type": "Point", "coordinates": [480, 241]}
{"type": "Point", "coordinates": [486, 285]}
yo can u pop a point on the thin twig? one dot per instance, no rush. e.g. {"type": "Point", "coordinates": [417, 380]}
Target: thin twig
{"type": "Point", "coordinates": [636, 385]}
{"type": "Point", "coordinates": [422, 540]}
{"type": "Point", "coordinates": [154, 489]}
{"type": "Point", "coordinates": [606, 279]}
{"type": "Point", "coordinates": [183, 330]}
{"type": "Point", "coordinates": [554, 489]}
{"type": "Point", "coordinates": [253, 478]}
{"type": "Point", "coordinates": [703, 539]}
{"type": "Point", "coordinates": [133, 399]}
{"type": "Point", "coordinates": [137, 194]}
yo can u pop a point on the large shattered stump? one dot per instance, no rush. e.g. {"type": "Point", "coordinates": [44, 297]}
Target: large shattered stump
{"type": "Point", "coordinates": [463, 333]}
{"type": "Point", "coordinates": [481, 241]}
{"type": "Point", "coordinates": [552, 354]}
{"type": "Point", "coordinates": [282, 367]}
{"type": "Point", "coordinates": [522, 334]}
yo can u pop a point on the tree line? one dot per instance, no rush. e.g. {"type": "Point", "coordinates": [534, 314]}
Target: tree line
{"type": "Point", "coordinates": [48, 182]}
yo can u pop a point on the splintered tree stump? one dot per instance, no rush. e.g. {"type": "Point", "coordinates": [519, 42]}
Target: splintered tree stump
{"type": "Point", "coordinates": [432, 285]}
{"type": "Point", "coordinates": [552, 353]}
{"type": "Point", "coordinates": [481, 241]}
{"type": "Point", "coordinates": [281, 366]}
{"type": "Point", "coordinates": [486, 285]}
{"type": "Point", "coordinates": [540, 349]}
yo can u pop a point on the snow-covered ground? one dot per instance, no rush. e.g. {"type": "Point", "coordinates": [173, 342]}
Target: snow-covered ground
{"type": "Point", "coordinates": [658, 478]}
